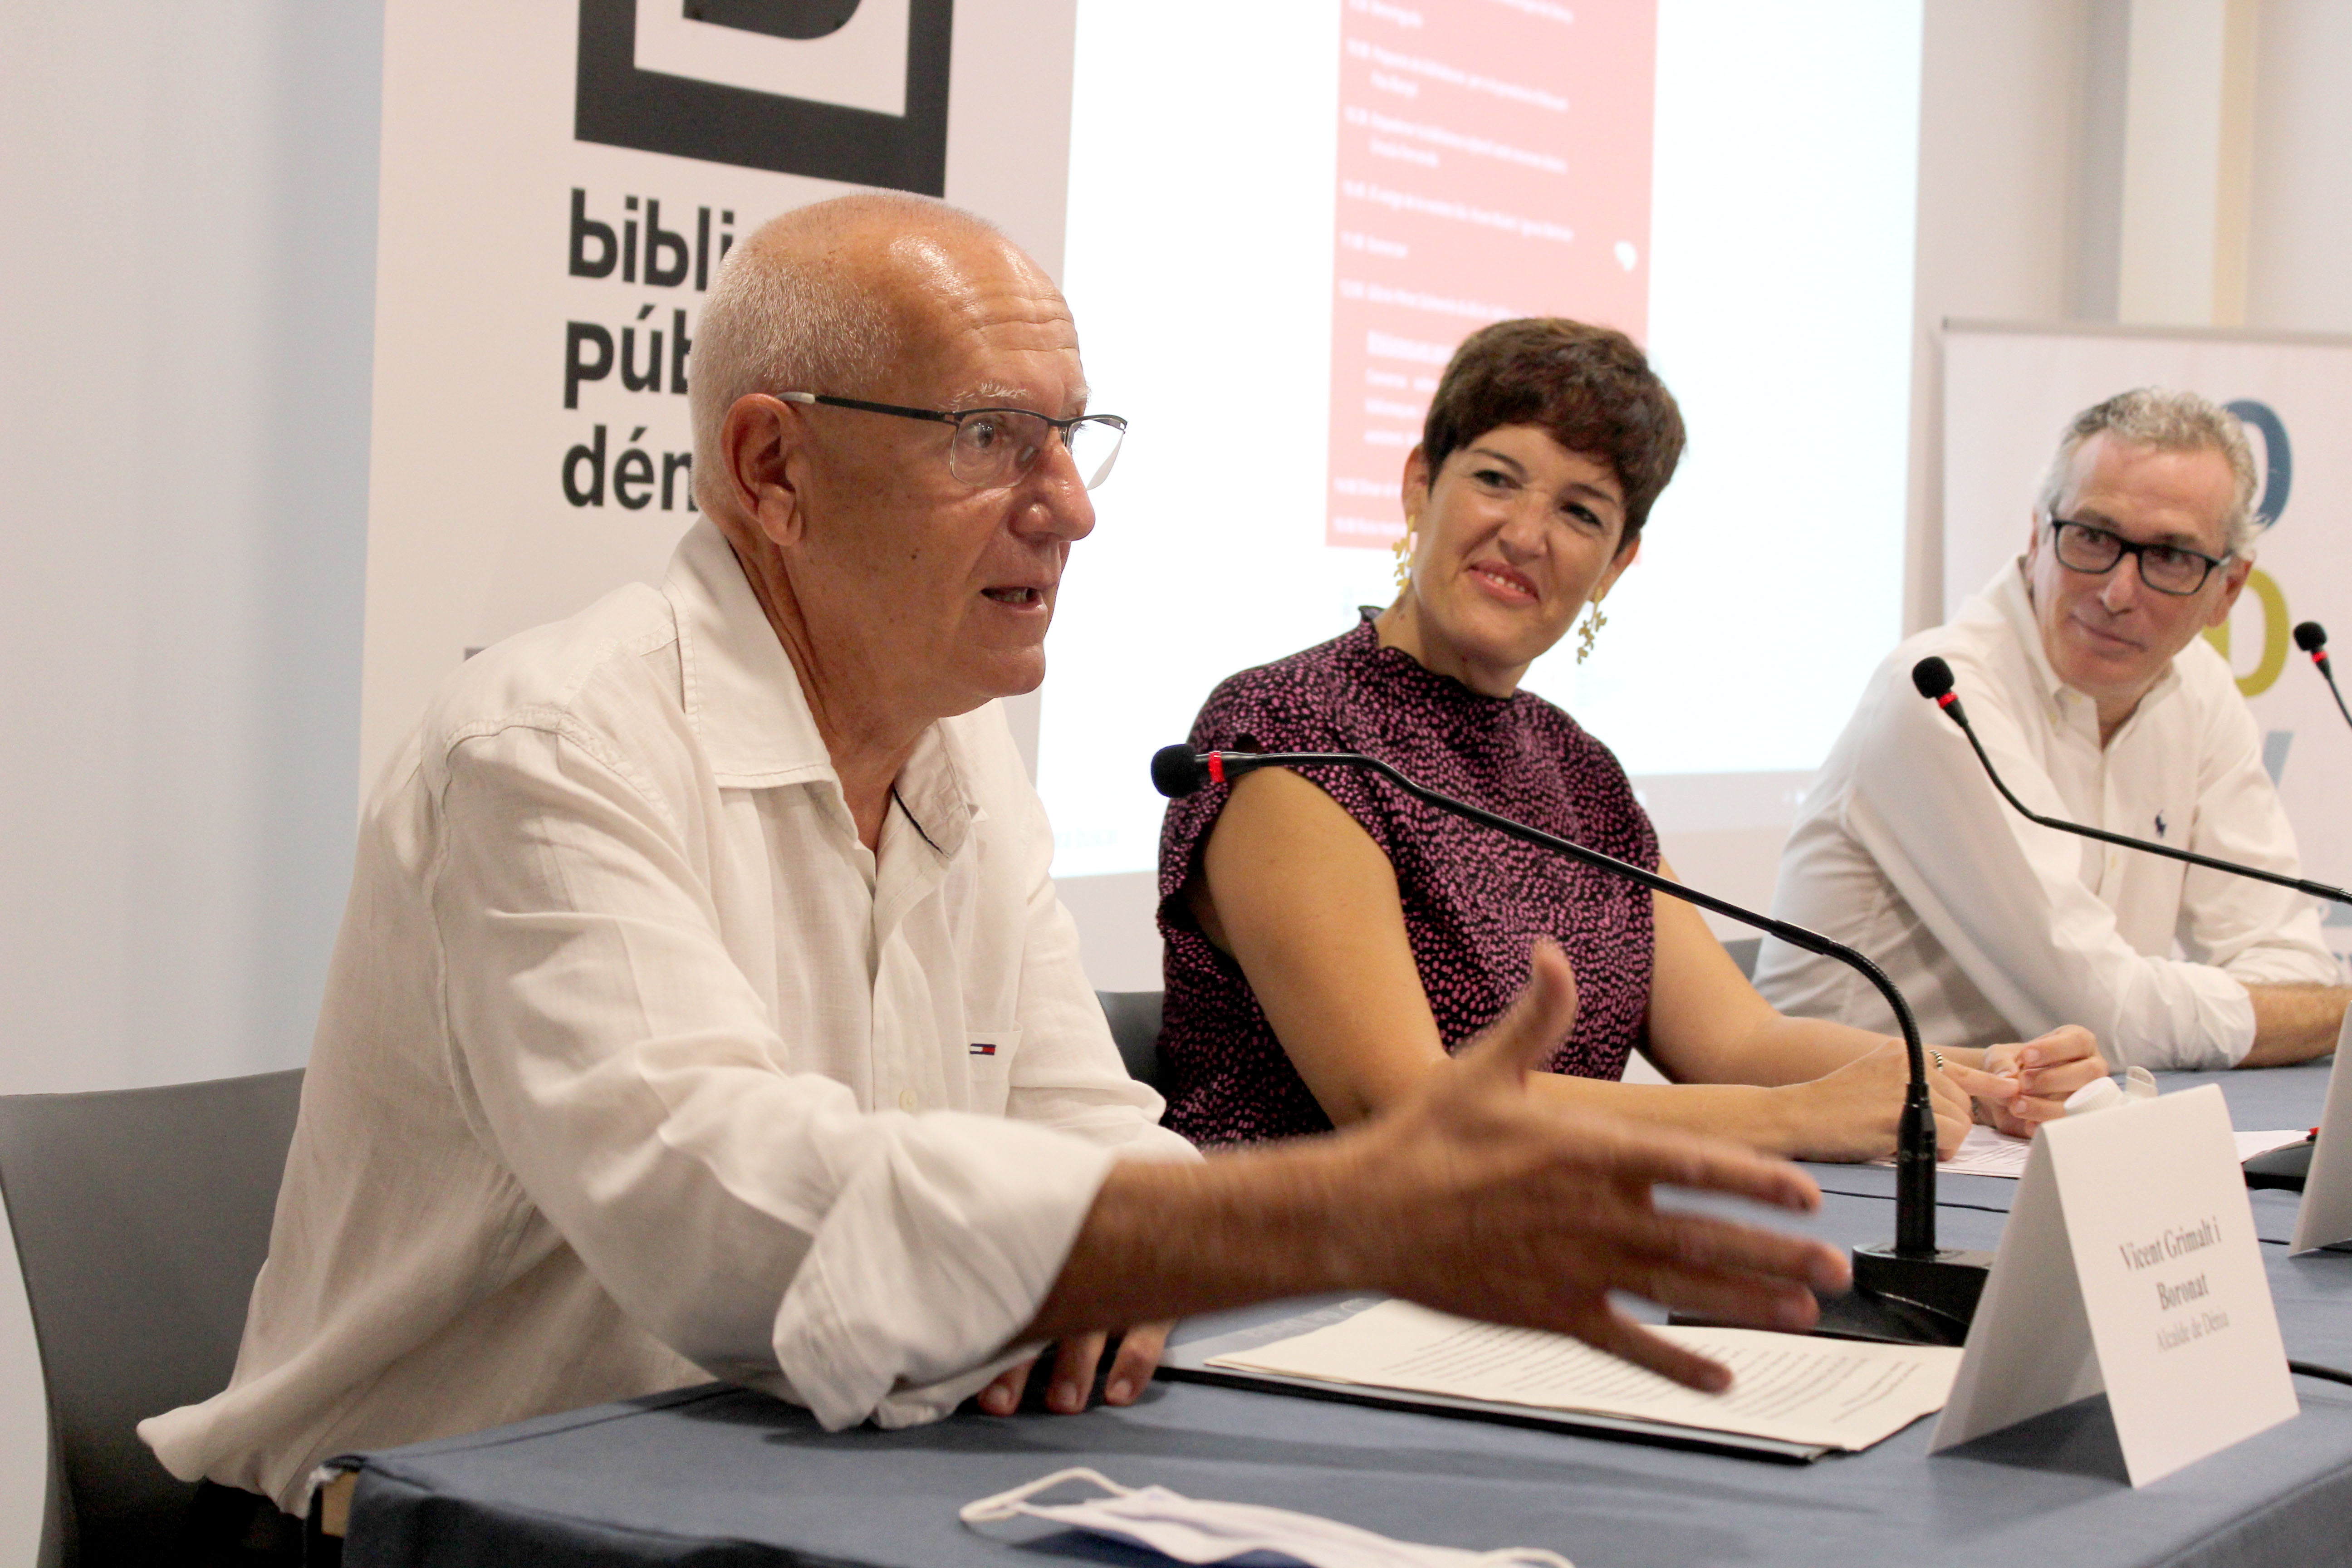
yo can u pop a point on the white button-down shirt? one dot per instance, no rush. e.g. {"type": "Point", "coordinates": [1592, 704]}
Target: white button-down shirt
{"type": "Point", "coordinates": [1995, 929]}
{"type": "Point", "coordinates": [636, 1067]}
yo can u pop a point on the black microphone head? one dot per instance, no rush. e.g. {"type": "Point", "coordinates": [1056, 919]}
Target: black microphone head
{"type": "Point", "coordinates": [1177, 770]}
{"type": "Point", "coordinates": [1933, 677]}
{"type": "Point", "coordinates": [2311, 637]}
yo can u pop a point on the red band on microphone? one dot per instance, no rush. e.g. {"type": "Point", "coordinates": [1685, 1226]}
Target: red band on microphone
{"type": "Point", "coordinates": [1948, 698]}
{"type": "Point", "coordinates": [1217, 768]}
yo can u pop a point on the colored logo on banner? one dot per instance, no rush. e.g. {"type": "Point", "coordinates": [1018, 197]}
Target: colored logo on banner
{"type": "Point", "coordinates": [2278, 479]}
{"type": "Point", "coordinates": [854, 90]}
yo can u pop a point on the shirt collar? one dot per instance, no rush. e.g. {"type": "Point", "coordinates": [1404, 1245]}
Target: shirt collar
{"type": "Point", "coordinates": [2009, 594]}
{"type": "Point", "coordinates": [743, 697]}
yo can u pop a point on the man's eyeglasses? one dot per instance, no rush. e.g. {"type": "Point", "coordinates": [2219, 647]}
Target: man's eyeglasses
{"type": "Point", "coordinates": [2167, 568]}
{"type": "Point", "coordinates": [996, 445]}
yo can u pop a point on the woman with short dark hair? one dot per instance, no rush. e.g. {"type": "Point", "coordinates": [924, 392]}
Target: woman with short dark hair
{"type": "Point", "coordinates": [1329, 938]}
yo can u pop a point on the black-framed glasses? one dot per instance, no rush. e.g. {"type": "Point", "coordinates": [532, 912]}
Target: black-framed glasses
{"type": "Point", "coordinates": [996, 445]}
{"type": "Point", "coordinates": [2092, 551]}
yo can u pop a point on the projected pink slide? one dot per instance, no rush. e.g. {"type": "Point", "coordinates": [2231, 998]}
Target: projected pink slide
{"type": "Point", "coordinates": [1494, 161]}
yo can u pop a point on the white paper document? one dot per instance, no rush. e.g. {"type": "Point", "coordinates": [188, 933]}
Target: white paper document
{"type": "Point", "coordinates": [1839, 1394]}
{"type": "Point", "coordinates": [1986, 1153]}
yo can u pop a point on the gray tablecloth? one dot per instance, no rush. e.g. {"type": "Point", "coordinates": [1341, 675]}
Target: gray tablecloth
{"type": "Point", "coordinates": [718, 1476]}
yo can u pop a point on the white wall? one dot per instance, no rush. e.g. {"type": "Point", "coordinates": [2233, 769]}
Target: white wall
{"type": "Point", "coordinates": [190, 249]}
{"type": "Point", "coordinates": [183, 414]}
{"type": "Point", "coordinates": [2299, 245]}
{"type": "Point", "coordinates": [2003, 129]}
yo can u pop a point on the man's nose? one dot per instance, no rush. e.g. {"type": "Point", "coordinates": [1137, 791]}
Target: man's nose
{"type": "Point", "coordinates": [2123, 588]}
{"type": "Point", "coordinates": [1058, 504]}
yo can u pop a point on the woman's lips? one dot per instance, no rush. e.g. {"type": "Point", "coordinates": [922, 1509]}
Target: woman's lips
{"type": "Point", "coordinates": [1504, 584]}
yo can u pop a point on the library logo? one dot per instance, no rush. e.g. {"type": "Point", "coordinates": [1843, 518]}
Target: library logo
{"type": "Point", "coordinates": [854, 90]}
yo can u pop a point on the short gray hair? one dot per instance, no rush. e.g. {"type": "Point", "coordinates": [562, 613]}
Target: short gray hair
{"type": "Point", "coordinates": [786, 315]}
{"type": "Point", "coordinates": [2172, 422]}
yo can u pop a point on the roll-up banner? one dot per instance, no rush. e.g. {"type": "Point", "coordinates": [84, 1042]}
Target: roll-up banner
{"type": "Point", "coordinates": [2008, 394]}
{"type": "Point", "coordinates": [560, 180]}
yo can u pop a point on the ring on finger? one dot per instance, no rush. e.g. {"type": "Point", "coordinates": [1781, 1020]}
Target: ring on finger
{"type": "Point", "coordinates": [1938, 1056]}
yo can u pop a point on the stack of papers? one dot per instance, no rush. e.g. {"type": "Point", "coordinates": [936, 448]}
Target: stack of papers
{"type": "Point", "coordinates": [1990, 1153]}
{"type": "Point", "coordinates": [1837, 1393]}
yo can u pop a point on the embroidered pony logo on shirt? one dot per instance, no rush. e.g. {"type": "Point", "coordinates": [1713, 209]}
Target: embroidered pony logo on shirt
{"type": "Point", "coordinates": [2159, 825]}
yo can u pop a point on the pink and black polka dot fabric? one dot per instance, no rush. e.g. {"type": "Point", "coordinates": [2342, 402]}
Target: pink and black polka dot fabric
{"type": "Point", "coordinates": [1474, 901]}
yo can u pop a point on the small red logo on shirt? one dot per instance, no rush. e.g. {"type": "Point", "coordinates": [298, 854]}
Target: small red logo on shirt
{"type": "Point", "coordinates": [979, 1049]}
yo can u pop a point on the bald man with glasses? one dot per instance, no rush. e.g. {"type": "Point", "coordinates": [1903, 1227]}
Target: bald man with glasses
{"type": "Point", "coordinates": [2083, 668]}
{"type": "Point", "coordinates": [704, 1008]}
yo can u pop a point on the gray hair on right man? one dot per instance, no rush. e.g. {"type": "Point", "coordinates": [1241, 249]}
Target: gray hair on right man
{"type": "Point", "coordinates": [2172, 422]}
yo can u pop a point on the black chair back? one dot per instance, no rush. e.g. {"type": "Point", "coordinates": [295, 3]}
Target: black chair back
{"type": "Point", "coordinates": [140, 1218]}
{"type": "Point", "coordinates": [1135, 1023]}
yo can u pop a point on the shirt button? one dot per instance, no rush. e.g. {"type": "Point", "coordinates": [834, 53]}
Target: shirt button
{"type": "Point", "coordinates": [907, 1101]}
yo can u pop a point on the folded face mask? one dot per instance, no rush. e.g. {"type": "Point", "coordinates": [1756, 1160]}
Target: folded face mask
{"type": "Point", "coordinates": [1243, 1535]}
{"type": "Point", "coordinates": [2104, 1093]}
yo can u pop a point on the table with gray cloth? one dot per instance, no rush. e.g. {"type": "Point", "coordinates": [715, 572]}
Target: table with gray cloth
{"type": "Point", "coordinates": [717, 1475]}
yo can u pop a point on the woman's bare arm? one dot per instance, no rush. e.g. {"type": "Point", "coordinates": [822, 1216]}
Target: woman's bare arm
{"type": "Point", "coordinates": [1305, 901]}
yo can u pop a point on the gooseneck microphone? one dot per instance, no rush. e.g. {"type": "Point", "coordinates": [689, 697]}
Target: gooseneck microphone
{"type": "Point", "coordinates": [1933, 677]}
{"type": "Point", "coordinates": [1912, 1292]}
{"type": "Point", "coordinates": [2312, 637]}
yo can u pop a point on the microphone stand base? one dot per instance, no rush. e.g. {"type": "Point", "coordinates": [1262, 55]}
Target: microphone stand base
{"type": "Point", "coordinates": [1908, 1300]}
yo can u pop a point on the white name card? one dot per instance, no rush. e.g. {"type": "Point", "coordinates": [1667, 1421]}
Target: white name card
{"type": "Point", "coordinates": [2325, 1217]}
{"type": "Point", "coordinates": [2130, 1264]}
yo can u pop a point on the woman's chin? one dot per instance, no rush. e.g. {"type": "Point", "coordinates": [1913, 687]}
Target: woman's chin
{"type": "Point", "coordinates": [1497, 636]}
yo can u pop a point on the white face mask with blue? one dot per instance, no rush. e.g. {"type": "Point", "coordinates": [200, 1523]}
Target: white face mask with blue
{"type": "Point", "coordinates": [1241, 1535]}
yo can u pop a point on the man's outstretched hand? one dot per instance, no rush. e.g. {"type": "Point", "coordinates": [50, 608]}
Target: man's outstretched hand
{"type": "Point", "coordinates": [1482, 1202]}
{"type": "Point", "coordinates": [1471, 1196]}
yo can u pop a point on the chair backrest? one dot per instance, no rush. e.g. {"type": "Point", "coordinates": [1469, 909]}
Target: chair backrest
{"type": "Point", "coordinates": [1743, 954]}
{"type": "Point", "coordinates": [1135, 1023]}
{"type": "Point", "coordinates": [141, 1216]}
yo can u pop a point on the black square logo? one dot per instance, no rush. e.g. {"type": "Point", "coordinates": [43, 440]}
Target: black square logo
{"type": "Point", "coordinates": [854, 90]}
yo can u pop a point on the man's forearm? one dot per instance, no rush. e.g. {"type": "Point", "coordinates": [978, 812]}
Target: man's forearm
{"type": "Point", "coordinates": [1165, 1240]}
{"type": "Point", "coordinates": [1466, 1196]}
{"type": "Point", "coordinates": [2295, 1022]}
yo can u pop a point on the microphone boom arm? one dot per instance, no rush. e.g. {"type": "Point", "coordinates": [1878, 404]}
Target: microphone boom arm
{"type": "Point", "coordinates": [1951, 705]}
{"type": "Point", "coordinates": [1914, 1159]}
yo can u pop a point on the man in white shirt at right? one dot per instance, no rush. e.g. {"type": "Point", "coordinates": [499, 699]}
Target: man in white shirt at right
{"type": "Point", "coordinates": [2082, 671]}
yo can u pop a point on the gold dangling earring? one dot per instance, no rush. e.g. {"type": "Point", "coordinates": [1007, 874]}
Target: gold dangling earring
{"type": "Point", "coordinates": [1591, 629]}
{"type": "Point", "coordinates": [1403, 549]}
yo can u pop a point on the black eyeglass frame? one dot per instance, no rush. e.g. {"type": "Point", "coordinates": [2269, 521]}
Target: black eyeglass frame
{"type": "Point", "coordinates": [957, 417]}
{"type": "Point", "coordinates": [2125, 547]}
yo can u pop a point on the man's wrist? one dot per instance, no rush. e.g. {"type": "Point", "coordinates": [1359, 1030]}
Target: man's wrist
{"type": "Point", "coordinates": [1328, 1226]}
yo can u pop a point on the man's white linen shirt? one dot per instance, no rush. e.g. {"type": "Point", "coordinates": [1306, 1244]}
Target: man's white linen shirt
{"type": "Point", "coordinates": [1995, 929]}
{"type": "Point", "coordinates": [637, 1068]}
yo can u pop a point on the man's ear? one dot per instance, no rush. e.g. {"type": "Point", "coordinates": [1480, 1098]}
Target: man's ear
{"type": "Point", "coordinates": [758, 447]}
{"type": "Point", "coordinates": [2233, 583]}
